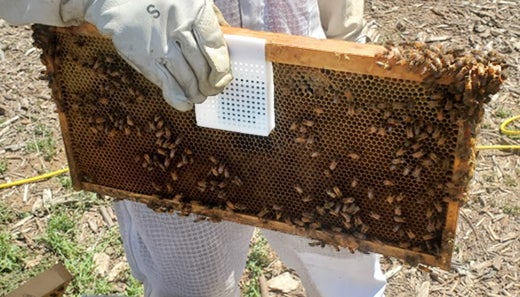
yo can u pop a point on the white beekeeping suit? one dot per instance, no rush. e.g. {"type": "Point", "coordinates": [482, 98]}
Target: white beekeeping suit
{"type": "Point", "coordinates": [178, 45]}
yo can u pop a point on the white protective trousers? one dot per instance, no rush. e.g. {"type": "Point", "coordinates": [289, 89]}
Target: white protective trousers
{"type": "Point", "coordinates": [175, 257]}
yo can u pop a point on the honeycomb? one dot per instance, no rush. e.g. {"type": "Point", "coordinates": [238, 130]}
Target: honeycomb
{"type": "Point", "coordinates": [380, 162]}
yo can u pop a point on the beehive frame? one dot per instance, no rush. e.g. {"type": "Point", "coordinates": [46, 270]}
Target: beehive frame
{"type": "Point", "coordinates": [373, 148]}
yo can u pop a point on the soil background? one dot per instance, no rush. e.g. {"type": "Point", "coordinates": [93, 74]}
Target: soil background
{"type": "Point", "coordinates": [486, 261]}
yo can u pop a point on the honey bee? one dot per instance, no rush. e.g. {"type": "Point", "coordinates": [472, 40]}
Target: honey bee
{"type": "Point", "coordinates": [333, 165]}
{"type": "Point", "coordinates": [381, 131]}
{"type": "Point", "coordinates": [400, 152]}
{"type": "Point", "coordinates": [399, 219]}
{"type": "Point", "coordinates": [370, 193]}
{"type": "Point", "coordinates": [298, 189]}
{"type": "Point", "coordinates": [418, 154]}
{"type": "Point", "coordinates": [331, 193]}
{"type": "Point", "coordinates": [428, 237]}
{"type": "Point", "coordinates": [337, 191]}
{"type": "Point", "coordinates": [375, 216]}
{"type": "Point", "coordinates": [307, 198]}
{"type": "Point", "coordinates": [372, 130]}
{"type": "Point", "coordinates": [199, 219]}
{"type": "Point", "coordinates": [156, 187]}
{"type": "Point", "coordinates": [213, 160]}
{"type": "Point", "coordinates": [438, 206]}
{"type": "Point", "coordinates": [397, 161]}
{"type": "Point", "coordinates": [336, 210]}
{"type": "Point", "coordinates": [147, 159]}
{"type": "Point", "coordinates": [263, 212]}
{"type": "Point", "coordinates": [385, 66]}
{"type": "Point", "coordinates": [390, 199]}
{"type": "Point", "coordinates": [396, 228]}
{"type": "Point", "coordinates": [388, 183]}
{"type": "Point", "coordinates": [348, 200]}
{"type": "Point", "coordinates": [347, 224]}
{"type": "Point", "coordinates": [240, 206]}
{"type": "Point", "coordinates": [354, 156]}
{"type": "Point", "coordinates": [354, 182]}
{"type": "Point", "coordinates": [440, 115]}
{"type": "Point", "coordinates": [441, 141]}
{"type": "Point", "coordinates": [364, 228]}
{"type": "Point", "coordinates": [317, 243]}
{"type": "Point", "coordinates": [171, 155]}
{"type": "Point", "coordinates": [409, 132]}
{"type": "Point", "coordinates": [159, 133]}
{"type": "Point", "coordinates": [169, 188]}
{"type": "Point", "coordinates": [410, 234]}
{"type": "Point", "coordinates": [300, 140]}
{"type": "Point", "coordinates": [237, 181]}
{"type": "Point", "coordinates": [310, 139]}
{"type": "Point", "coordinates": [315, 154]}
{"type": "Point", "coordinates": [230, 205]}
{"type": "Point", "coordinates": [308, 123]}
{"type": "Point", "coordinates": [278, 215]}
{"type": "Point", "coordinates": [417, 172]}
{"type": "Point", "coordinates": [398, 211]}
{"type": "Point", "coordinates": [349, 96]}
{"type": "Point", "coordinates": [358, 221]}
{"type": "Point", "coordinates": [299, 222]}
{"type": "Point", "coordinates": [221, 168]}
{"type": "Point", "coordinates": [406, 171]}
{"type": "Point", "coordinates": [178, 141]}
{"type": "Point", "coordinates": [320, 210]}
{"type": "Point", "coordinates": [318, 111]}
{"type": "Point", "coordinates": [404, 245]}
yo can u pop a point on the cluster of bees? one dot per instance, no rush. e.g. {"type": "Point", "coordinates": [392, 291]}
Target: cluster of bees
{"type": "Point", "coordinates": [218, 179]}
{"type": "Point", "coordinates": [170, 156]}
{"type": "Point", "coordinates": [474, 74]}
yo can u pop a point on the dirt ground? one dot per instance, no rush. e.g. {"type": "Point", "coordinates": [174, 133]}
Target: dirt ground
{"type": "Point", "coordinates": [486, 261]}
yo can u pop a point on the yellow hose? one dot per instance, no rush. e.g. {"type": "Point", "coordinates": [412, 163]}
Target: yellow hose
{"type": "Point", "coordinates": [33, 179]}
{"type": "Point", "coordinates": [507, 132]}
{"type": "Point", "coordinates": [504, 131]}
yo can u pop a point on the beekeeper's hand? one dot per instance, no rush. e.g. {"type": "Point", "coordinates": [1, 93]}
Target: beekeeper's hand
{"type": "Point", "coordinates": [176, 44]}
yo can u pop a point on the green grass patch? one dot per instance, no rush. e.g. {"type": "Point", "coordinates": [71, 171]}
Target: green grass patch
{"type": "Point", "coordinates": [510, 181]}
{"type": "Point", "coordinates": [257, 260]}
{"type": "Point", "coordinates": [61, 239]}
{"type": "Point", "coordinates": [43, 142]}
{"type": "Point", "coordinates": [513, 210]}
{"type": "Point", "coordinates": [46, 146]}
{"type": "Point", "coordinates": [503, 113]}
{"type": "Point", "coordinates": [11, 255]}
{"type": "Point", "coordinates": [3, 166]}
{"type": "Point", "coordinates": [66, 182]}
{"type": "Point", "coordinates": [7, 215]}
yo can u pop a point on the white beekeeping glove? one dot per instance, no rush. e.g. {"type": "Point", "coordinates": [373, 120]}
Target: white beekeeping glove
{"type": "Point", "coordinates": [176, 44]}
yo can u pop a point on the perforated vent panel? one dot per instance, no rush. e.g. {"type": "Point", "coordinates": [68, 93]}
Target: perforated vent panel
{"type": "Point", "coordinates": [247, 104]}
{"type": "Point", "coordinates": [369, 159]}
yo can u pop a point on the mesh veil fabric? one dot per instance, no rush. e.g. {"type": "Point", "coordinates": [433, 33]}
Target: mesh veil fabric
{"type": "Point", "coordinates": [175, 257]}
{"type": "Point", "coordinates": [297, 17]}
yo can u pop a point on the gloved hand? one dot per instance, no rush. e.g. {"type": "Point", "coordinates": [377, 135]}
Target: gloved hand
{"type": "Point", "coordinates": [176, 44]}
